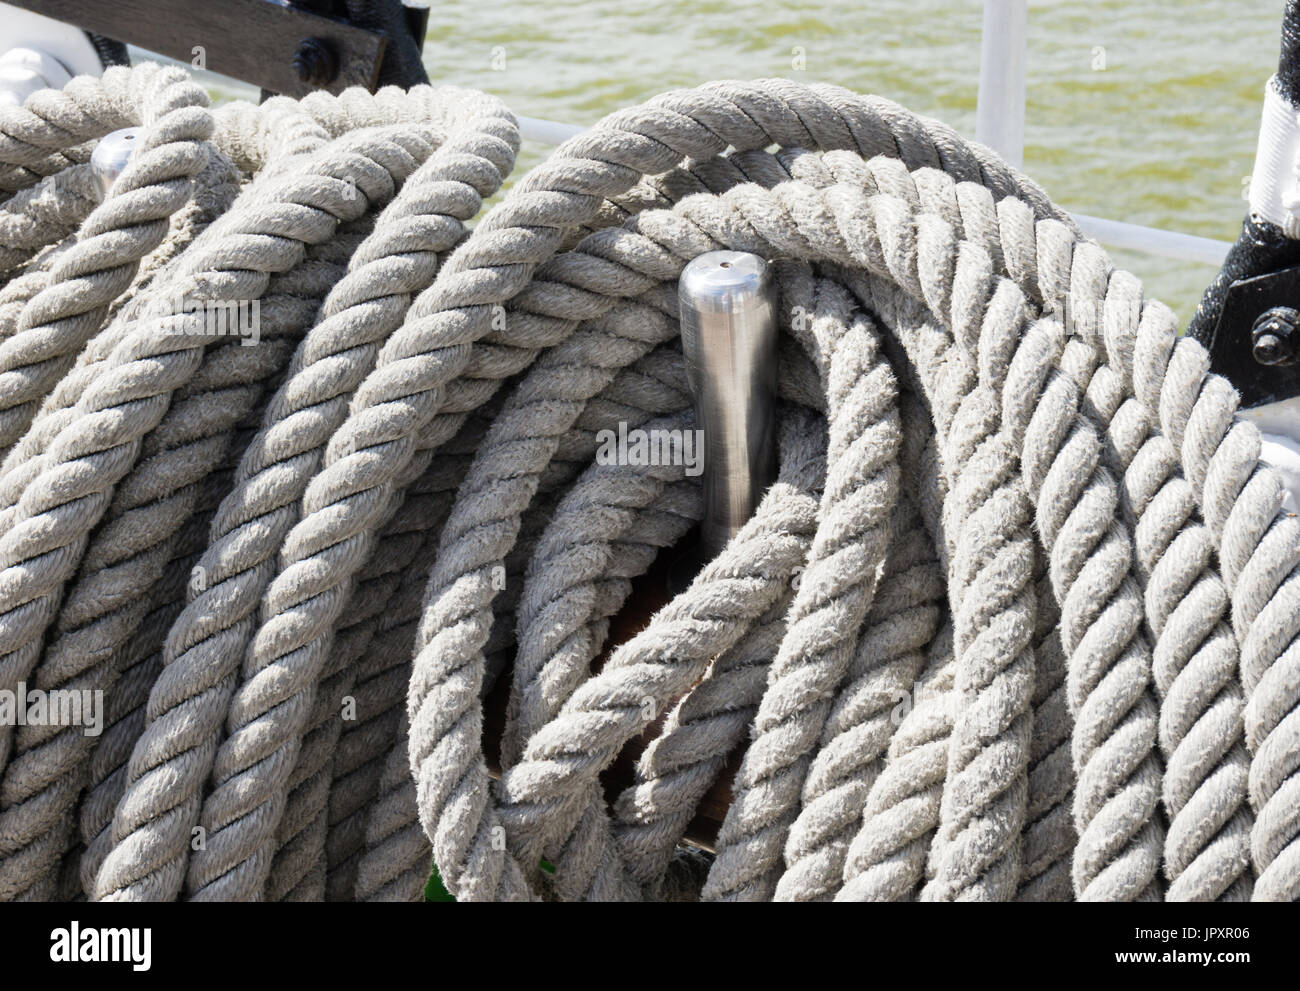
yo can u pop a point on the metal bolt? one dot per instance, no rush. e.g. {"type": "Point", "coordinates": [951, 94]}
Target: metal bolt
{"type": "Point", "coordinates": [315, 63]}
{"type": "Point", "coordinates": [1273, 338]}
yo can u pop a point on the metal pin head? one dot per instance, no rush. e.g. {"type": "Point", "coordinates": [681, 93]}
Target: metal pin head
{"type": "Point", "coordinates": [728, 320]}
{"type": "Point", "coordinates": [726, 304]}
{"type": "Point", "coordinates": [111, 155]}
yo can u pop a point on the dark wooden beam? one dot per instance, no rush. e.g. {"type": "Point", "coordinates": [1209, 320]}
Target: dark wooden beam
{"type": "Point", "coordinates": [251, 40]}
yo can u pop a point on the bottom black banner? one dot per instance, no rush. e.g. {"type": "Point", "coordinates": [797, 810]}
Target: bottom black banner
{"type": "Point", "coordinates": [1177, 942]}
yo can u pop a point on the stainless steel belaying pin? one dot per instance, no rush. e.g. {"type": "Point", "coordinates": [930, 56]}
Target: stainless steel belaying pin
{"type": "Point", "coordinates": [111, 155]}
{"type": "Point", "coordinates": [728, 325]}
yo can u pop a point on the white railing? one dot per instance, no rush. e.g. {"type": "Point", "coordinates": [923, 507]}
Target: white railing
{"type": "Point", "coordinates": [1000, 112]}
{"type": "Point", "coordinates": [1000, 124]}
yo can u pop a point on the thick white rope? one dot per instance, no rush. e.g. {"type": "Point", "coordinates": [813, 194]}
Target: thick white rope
{"type": "Point", "coordinates": [1017, 619]}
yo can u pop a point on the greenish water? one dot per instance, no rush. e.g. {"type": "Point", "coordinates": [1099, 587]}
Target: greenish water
{"type": "Point", "coordinates": [1136, 110]}
{"type": "Point", "coordinates": [1162, 135]}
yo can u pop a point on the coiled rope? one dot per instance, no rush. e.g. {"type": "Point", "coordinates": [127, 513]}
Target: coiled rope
{"type": "Point", "coordinates": [1016, 621]}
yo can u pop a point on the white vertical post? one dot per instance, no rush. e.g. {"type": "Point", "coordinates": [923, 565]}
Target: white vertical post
{"type": "Point", "coordinates": [1000, 112]}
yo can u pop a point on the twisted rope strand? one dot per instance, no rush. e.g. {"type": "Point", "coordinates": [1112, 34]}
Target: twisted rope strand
{"type": "Point", "coordinates": [1017, 621]}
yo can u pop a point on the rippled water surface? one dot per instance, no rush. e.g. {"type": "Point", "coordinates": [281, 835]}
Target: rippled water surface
{"type": "Point", "coordinates": [1137, 111]}
{"type": "Point", "coordinates": [1162, 135]}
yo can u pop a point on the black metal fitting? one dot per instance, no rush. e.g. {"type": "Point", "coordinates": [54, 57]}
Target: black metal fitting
{"type": "Point", "coordinates": [1255, 340]}
{"type": "Point", "coordinates": [1259, 281]}
{"type": "Point", "coordinates": [315, 63]}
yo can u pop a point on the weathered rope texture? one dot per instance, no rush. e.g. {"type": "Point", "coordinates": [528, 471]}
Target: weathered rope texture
{"type": "Point", "coordinates": [1017, 621]}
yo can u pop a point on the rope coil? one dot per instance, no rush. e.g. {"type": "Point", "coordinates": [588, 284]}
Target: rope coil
{"type": "Point", "coordinates": [1016, 621]}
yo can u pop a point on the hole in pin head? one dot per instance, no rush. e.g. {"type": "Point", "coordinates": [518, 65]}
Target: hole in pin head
{"type": "Point", "coordinates": [724, 264]}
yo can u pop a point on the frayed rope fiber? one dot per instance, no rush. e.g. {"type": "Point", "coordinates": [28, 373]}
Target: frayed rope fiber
{"type": "Point", "coordinates": [1017, 620]}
